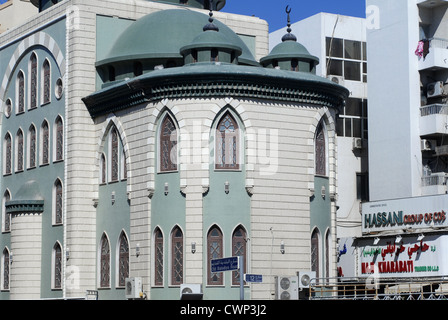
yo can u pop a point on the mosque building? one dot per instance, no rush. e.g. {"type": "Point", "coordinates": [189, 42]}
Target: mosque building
{"type": "Point", "coordinates": [142, 140]}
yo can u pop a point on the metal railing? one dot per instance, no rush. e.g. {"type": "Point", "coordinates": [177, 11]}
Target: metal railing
{"type": "Point", "coordinates": [439, 43]}
{"type": "Point", "coordinates": [371, 289]}
{"type": "Point", "coordinates": [435, 179]}
{"type": "Point", "coordinates": [437, 108]}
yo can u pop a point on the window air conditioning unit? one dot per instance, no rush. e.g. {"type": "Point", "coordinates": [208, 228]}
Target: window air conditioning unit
{"type": "Point", "coordinates": [286, 288]}
{"type": "Point", "coordinates": [336, 79]}
{"type": "Point", "coordinates": [306, 278]}
{"type": "Point", "coordinates": [428, 145]}
{"type": "Point", "coordinates": [191, 291]}
{"type": "Point", "coordinates": [435, 89]}
{"type": "Point", "coordinates": [134, 288]}
{"type": "Point", "coordinates": [357, 143]}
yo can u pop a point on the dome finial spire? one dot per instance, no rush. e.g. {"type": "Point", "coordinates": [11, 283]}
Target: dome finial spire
{"type": "Point", "coordinates": [289, 36]}
{"type": "Point", "coordinates": [211, 26]}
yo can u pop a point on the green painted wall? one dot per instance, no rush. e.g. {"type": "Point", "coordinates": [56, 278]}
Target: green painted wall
{"type": "Point", "coordinates": [45, 175]}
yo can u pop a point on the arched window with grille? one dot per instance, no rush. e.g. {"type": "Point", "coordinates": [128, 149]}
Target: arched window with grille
{"type": "Point", "coordinates": [19, 150]}
{"type": "Point", "coordinates": [59, 139]}
{"type": "Point", "coordinates": [104, 262]}
{"type": "Point", "coordinates": [33, 81]}
{"type": "Point", "coordinates": [6, 221]}
{"type": "Point", "coordinates": [20, 92]}
{"type": "Point", "coordinates": [158, 255]}
{"type": "Point", "coordinates": [123, 259]}
{"type": "Point", "coordinates": [168, 145]}
{"type": "Point", "coordinates": [177, 256]}
{"type": "Point", "coordinates": [46, 82]}
{"type": "Point", "coordinates": [239, 238]}
{"type": "Point", "coordinates": [5, 269]}
{"type": "Point", "coordinates": [320, 151]}
{"type": "Point", "coordinates": [315, 260]}
{"type": "Point", "coordinates": [103, 168]}
{"type": "Point", "coordinates": [32, 146]}
{"type": "Point", "coordinates": [227, 143]}
{"type": "Point", "coordinates": [57, 266]}
{"type": "Point", "coordinates": [58, 202]}
{"type": "Point", "coordinates": [45, 143]}
{"type": "Point", "coordinates": [214, 251]}
{"type": "Point", "coordinates": [114, 154]}
{"type": "Point", "coordinates": [7, 154]}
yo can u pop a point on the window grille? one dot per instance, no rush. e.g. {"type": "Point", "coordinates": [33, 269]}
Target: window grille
{"type": "Point", "coordinates": [57, 266]}
{"type": "Point", "coordinates": [168, 145]}
{"type": "Point", "coordinates": [227, 143]}
{"type": "Point", "coordinates": [105, 263]}
{"type": "Point", "coordinates": [123, 261]}
{"type": "Point", "coordinates": [158, 281]}
{"type": "Point", "coordinates": [215, 251]}
{"type": "Point", "coordinates": [177, 257]}
{"type": "Point", "coordinates": [47, 82]}
{"type": "Point", "coordinates": [33, 81]}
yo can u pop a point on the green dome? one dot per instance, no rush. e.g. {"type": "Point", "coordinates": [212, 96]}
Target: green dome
{"type": "Point", "coordinates": [289, 50]}
{"type": "Point", "coordinates": [162, 34]}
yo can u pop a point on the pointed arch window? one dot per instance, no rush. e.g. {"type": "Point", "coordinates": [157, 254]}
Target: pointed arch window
{"type": "Point", "coordinates": [57, 266]}
{"type": "Point", "coordinates": [46, 82]}
{"type": "Point", "coordinates": [45, 153]}
{"type": "Point", "coordinates": [19, 152]}
{"type": "Point", "coordinates": [315, 252]}
{"type": "Point", "coordinates": [20, 92]}
{"type": "Point", "coordinates": [5, 269]}
{"type": "Point", "coordinates": [104, 262]}
{"type": "Point", "coordinates": [114, 154]}
{"type": "Point", "coordinates": [227, 143]}
{"type": "Point", "coordinates": [320, 153]}
{"type": "Point", "coordinates": [8, 154]}
{"type": "Point", "coordinates": [158, 261]}
{"type": "Point", "coordinates": [32, 146]}
{"type": "Point", "coordinates": [123, 260]}
{"type": "Point", "coordinates": [58, 202]}
{"type": "Point", "coordinates": [177, 257]}
{"type": "Point", "coordinates": [168, 145]}
{"type": "Point", "coordinates": [59, 139]}
{"type": "Point", "coordinates": [103, 165]}
{"type": "Point", "coordinates": [239, 249]}
{"type": "Point", "coordinates": [214, 251]}
{"type": "Point", "coordinates": [6, 216]}
{"type": "Point", "coordinates": [33, 81]}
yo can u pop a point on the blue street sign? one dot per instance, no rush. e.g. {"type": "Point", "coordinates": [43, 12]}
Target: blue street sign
{"type": "Point", "coordinates": [254, 278]}
{"type": "Point", "coordinates": [225, 264]}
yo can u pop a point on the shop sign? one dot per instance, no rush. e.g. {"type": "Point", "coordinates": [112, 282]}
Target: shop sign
{"type": "Point", "coordinates": [415, 213]}
{"type": "Point", "coordinates": [409, 258]}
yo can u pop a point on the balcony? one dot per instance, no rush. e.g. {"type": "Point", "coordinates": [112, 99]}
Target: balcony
{"type": "Point", "coordinates": [435, 183]}
{"type": "Point", "coordinates": [434, 120]}
{"type": "Point", "coordinates": [437, 58]}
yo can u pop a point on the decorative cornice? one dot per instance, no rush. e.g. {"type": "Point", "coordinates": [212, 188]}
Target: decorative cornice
{"type": "Point", "coordinates": [24, 206]}
{"type": "Point", "coordinates": [217, 81]}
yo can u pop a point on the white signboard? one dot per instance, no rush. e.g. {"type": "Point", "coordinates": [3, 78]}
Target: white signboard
{"type": "Point", "coordinates": [400, 214]}
{"type": "Point", "coordinates": [409, 258]}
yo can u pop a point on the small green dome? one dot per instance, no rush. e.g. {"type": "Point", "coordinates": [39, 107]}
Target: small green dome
{"type": "Point", "coordinates": [290, 49]}
{"type": "Point", "coordinates": [162, 34]}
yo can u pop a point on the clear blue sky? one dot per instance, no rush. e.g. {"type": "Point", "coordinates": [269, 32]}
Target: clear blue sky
{"type": "Point", "coordinates": [273, 11]}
